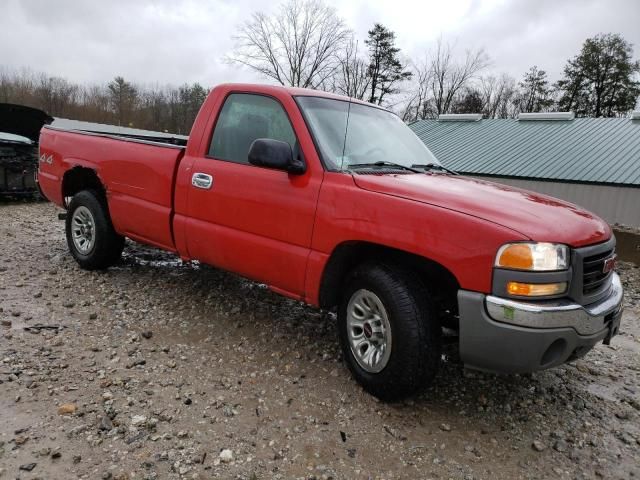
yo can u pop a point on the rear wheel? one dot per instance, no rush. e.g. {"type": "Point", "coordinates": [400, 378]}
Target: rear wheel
{"type": "Point", "coordinates": [91, 238]}
{"type": "Point", "coordinates": [389, 336]}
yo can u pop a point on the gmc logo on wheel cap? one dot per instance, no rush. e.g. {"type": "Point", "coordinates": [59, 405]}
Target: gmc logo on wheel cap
{"type": "Point", "coordinates": [609, 264]}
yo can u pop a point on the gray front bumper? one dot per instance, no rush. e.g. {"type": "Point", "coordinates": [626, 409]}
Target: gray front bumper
{"type": "Point", "coordinates": [510, 336]}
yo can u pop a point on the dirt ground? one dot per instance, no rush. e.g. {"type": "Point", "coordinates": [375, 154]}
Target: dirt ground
{"type": "Point", "coordinates": [159, 369]}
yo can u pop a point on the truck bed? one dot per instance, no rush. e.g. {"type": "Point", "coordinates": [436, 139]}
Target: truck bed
{"type": "Point", "coordinates": [138, 172]}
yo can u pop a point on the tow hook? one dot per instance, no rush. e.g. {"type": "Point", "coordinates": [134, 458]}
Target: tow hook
{"type": "Point", "coordinates": [62, 216]}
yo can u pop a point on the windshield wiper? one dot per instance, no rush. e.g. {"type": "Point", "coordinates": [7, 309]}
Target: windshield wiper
{"type": "Point", "coordinates": [434, 166]}
{"type": "Point", "coordinates": [385, 164]}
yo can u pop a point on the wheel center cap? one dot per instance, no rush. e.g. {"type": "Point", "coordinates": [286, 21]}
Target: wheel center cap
{"type": "Point", "coordinates": [368, 331]}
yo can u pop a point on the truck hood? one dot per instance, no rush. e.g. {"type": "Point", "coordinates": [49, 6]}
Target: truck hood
{"type": "Point", "coordinates": [536, 216]}
{"type": "Point", "coordinates": [23, 121]}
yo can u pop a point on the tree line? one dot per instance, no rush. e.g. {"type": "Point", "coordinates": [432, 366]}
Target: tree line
{"type": "Point", "coordinates": [167, 109]}
{"type": "Point", "coordinates": [306, 44]}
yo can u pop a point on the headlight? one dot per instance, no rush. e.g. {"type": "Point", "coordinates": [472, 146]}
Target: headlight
{"type": "Point", "coordinates": [539, 257]}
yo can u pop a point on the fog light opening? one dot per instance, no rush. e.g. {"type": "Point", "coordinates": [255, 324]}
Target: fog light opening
{"type": "Point", "coordinates": [554, 353]}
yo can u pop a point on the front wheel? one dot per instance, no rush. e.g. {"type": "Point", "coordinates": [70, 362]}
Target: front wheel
{"type": "Point", "coordinates": [91, 238]}
{"type": "Point", "coordinates": [389, 336]}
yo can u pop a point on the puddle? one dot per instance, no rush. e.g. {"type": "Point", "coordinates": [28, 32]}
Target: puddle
{"type": "Point", "coordinates": [149, 261]}
{"type": "Point", "coordinates": [140, 255]}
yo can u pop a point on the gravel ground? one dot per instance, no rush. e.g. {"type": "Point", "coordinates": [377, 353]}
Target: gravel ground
{"type": "Point", "coordinates": [159, 369]}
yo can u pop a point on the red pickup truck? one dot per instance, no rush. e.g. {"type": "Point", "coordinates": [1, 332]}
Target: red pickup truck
{"type": "Point", "coordinates": [336, 203]}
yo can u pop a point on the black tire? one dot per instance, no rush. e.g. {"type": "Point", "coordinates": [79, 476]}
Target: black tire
{"type": "Point", "coordinates": [416, 334]}
{"type": "Point", "coordinates": [107, 244]}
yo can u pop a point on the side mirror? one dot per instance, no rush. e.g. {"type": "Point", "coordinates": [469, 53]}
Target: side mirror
{"type": "Point", "coordinates": [269, 153]}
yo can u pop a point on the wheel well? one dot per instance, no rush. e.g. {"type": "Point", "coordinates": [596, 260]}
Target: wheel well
{"type": "Point", "coordinates": [442, 283]}
{"type": "Point", "coordinates": [78, 179]}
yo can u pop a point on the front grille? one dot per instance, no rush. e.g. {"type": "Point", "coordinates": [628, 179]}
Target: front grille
{"type": "Point", "coordinates": [588, 283]}
{"type": "Point", "coordinates": [593, 277]}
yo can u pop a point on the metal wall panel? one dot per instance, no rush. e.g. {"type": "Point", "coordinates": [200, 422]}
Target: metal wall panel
{"type": "Point", "coordinates": [614, 204]}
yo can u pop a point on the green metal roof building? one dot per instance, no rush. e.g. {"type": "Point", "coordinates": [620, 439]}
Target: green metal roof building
{"type": "Point", "coordinates": [593, 162]}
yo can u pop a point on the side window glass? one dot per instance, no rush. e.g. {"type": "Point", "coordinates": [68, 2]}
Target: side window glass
{"type": "Point", "coordinates": [243, 118]}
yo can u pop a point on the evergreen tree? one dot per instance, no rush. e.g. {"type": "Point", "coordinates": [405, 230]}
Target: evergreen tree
{"type": "Point", "coordinates": [123, 97]}
{"type": "Point", "coordinates": [535, 93]}
{"type": "Point", "coordinates": [385, 67]}
{"type": "Point", "coordinates": [191, 99]}
{"type": "Point", "coordinates": [469, 102]}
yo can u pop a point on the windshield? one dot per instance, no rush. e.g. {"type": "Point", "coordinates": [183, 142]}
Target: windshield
{"type": "Point", "coordinates": [349, 134]}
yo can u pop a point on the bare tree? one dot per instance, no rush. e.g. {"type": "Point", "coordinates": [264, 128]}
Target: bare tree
{"type": "Point", "coordinates": [450, 76]}
{"type": "Point", "coordinates": [95, 105]}
{"type": "Point", "coordinates": [56, 95]}
{"type": "Point", "coordinates": [298, 46]}
{"type": "Point", "coordinates": [18, 87]}
{"type": "Point", "coordinates": [419, 104]}
{"type": "Point", "coordinates": [441, 80]}
{"type": "Point", "coordinates": [498, 96]}
{"type": "Point", "coordinates": [351, 77]}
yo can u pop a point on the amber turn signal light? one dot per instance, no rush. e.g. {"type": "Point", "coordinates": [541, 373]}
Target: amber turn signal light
{"type": "Point", "coordinates": [517, 256]}
{"type": "Point", "coordinates": [536, 289]}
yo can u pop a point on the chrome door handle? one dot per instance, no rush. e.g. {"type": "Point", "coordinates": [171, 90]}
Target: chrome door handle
{"type": "Point", "coordinates": [202, 180]}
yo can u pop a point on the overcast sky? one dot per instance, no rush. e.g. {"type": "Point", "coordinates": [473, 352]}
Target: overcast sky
{"type": "Point", "coordinates": [177, 41]}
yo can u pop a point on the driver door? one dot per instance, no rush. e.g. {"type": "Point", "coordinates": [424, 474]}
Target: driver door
{"type": "Point", "coordinates": [251, 220]}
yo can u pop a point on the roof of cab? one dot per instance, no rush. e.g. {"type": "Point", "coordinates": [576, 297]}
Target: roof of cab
{"type": "Point", "coordinates": [293, 91]}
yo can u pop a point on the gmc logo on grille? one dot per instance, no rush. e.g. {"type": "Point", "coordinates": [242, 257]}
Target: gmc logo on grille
{"type": "Point", "coordinates": [609, 264]}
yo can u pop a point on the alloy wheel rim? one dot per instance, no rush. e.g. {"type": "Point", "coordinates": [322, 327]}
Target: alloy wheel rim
{"type": "Point", "coordinates": [369, 331]}
{"type": "Point", "coordinates": [83, 230]}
